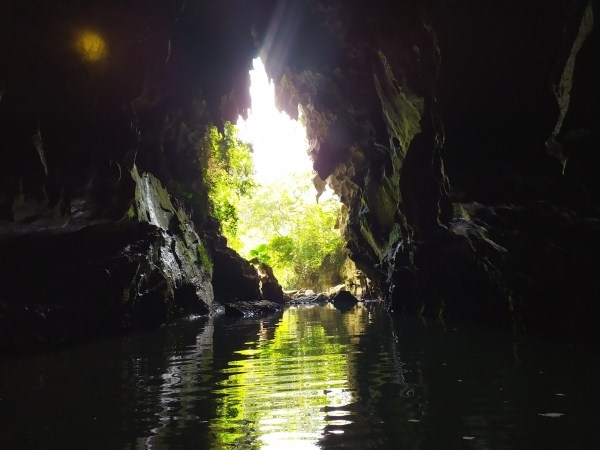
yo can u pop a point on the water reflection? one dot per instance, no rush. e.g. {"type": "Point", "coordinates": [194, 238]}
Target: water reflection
{"type": "Point", "coordinates": [310, 378]}
{"type": "Point", "coordinates": [184, 383]}
{"type": "Point", "coordinates": [284, 390]}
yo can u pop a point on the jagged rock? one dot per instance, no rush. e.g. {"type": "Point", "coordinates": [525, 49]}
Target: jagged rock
{"type": "Point", "coordinates": [467, 161]}
{"type": "Point", "coordinates": [184, 258]}
{"type": "Point", "coordinates": [252, 309]}
{"type": "Point", "coordinates": [270, 288]}
{"type": "Point", "coordinates": [234, 278]}
{"type": "Point", "coordinates": [426, 121]}
{"type": "Point", "coordinates": [306, 299]}
{"type": "Point", "coordinates": [65, 282]}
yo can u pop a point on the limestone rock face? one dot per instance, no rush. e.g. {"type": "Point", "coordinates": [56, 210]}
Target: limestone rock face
{"type": "Point", "coordinates": [64, 282]}
{"type": "Point", "coordinates": [461, 138]}
{"type": "Point", "coordinates": [183, 256]}
{"type": "Point", "coordinates": [234, 278]}
{"type": "Point", "coordinates": [101, 107]}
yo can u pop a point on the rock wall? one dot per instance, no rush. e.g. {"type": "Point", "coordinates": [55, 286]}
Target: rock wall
{"type": "Point", "coordinates": [66, 280]}
{"type": "Point", "coordinates": [461, 136]}
{"type": "Point", "coordinates": [463, 139]}
{"type": "Point", "coordinates": [102, 106]}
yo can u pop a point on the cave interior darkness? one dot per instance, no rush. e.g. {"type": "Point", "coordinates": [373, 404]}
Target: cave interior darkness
{"type": "Point", "coordinates": [462, 139]}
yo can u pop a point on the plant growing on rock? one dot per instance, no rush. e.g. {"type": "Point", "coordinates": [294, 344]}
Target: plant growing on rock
{"type": "Point", "coordinates": [228, 174]}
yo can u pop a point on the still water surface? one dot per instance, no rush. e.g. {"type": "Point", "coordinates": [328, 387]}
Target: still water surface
{"type": "Point", "coordinates": [312, 377]}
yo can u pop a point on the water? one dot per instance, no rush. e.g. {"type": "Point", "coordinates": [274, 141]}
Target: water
{"type": "Point", "coordinates": [310, 378]}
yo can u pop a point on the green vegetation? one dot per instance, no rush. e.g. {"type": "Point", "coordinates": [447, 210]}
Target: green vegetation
{"type": "Point", "coordinates": [204, 257]}
{"type": "Point", "coordinates": [228, 174]}
{"type": "Point", "coordinates": [283, 226]}
{"type": "Point", "coordinates": [279, 223]}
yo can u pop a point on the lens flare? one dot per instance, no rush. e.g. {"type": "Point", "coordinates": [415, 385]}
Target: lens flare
{"type": "Point", "coordinates": [91, 46]}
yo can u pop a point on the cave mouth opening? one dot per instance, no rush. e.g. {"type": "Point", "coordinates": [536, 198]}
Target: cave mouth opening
{"type": "Point", "coordinates": [280, 219]}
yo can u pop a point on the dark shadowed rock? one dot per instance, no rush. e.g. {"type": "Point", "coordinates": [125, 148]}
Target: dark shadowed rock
{"type": "Point", "coordinates": [471, 183]}
{"type": "Point", "coordinates": [83, 279]}
{"type": "Point", "coordinates": [272, 291]}
{"type": "Point", "coordinates": [234, 278]}
{"type": "Point", "coordinates": [270, 288]}
{"type": "Point", "coordinates": [344, 300]}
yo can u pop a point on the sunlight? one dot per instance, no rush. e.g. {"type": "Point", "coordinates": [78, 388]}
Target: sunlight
{"type": "Point", "coordinates": [279, 221]}
{"type": "Point", "coordinates": [289, 390]}
{"type": "Point", "coordinates": [279, 142]}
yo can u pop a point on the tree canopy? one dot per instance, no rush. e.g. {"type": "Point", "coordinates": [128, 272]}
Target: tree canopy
{"type": "Point", "coordinates": [283, 225]}
{"type": "Point", "coordinates": [229, 175]}
{"type": "Point", "coordinates": [279, 223]}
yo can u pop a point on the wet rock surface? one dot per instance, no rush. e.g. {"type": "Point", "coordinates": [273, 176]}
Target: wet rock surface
{"type": "Point", "coordinates": [459, 154]}
{"type": "Point", "coordinates": [304, 297]}
{"type": "Point", "coordinates": [59, 284]}
{"type": "Point", "coordinates": [252, 309]}
{"type": "Point", "coordinates": [340, 298]}
{"type": "Point", "coordinates": [461, 138]}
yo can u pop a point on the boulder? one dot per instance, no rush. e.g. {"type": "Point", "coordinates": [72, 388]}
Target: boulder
{"type": "Point", "coordinates": [252, 309]}
{"type": "Point", "coordinates": [344, 300]}
{"type": "Point", "coordinates": [270, 288]}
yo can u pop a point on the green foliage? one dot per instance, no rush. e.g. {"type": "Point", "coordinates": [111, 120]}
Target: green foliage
{"type": "Point", "coordinates": [204, 257]}
{"type": "Point", "coordinates": [296, 234]}
{"type": "Point", "coordinates": [284, 247]}
{"type": "Point", "coordinates": [228, 174]}
{"type": "Point", "coordinates": [260, 253]}
{"type": "Point", "coordinates": [279, 224]}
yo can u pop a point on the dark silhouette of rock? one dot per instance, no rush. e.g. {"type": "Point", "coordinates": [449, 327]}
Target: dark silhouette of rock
{"type": "Point", "coordinates": [269, 286]}
{"type": "Point", "coordinates": [344, 300]}
{"type": "Point", "coordinates": [234, 278]}
{"type": "Point", "coordinates": [252, 309]}
{"type": "Point", "coordinates": [467, 162]}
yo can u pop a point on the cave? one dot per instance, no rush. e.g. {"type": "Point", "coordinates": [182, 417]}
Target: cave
{"type": "Point", "coordinates": [462, 147]}
{"type": "Point", "coordinates": [461, 137]}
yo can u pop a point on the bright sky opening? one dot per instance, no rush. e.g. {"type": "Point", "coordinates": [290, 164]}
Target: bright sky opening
{"type": "Point", "coordinates": [279, 142]}
{"type": "Point", "coordinates": [284, 204]}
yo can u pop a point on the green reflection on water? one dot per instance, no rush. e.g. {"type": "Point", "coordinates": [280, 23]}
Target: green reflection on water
{"type": "Point", "coordinates": [280, 391]}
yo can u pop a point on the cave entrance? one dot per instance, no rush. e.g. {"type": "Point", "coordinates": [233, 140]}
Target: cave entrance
{"type": "Point", "coordinates": [280, 220]}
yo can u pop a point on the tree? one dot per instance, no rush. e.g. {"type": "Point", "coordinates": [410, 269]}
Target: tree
{"type": "Point", "coordinates": [279, 223]}
{"type": "Point", "coordinates": [228, 174]}
{"type": "Point", "coordinates": [283, 225]}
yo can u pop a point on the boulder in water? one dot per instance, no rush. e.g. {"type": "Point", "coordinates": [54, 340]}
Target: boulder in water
{"type": "Point", "coordinates": [258, 308]}
{"type": "Point", "coordinates": [344, 300]}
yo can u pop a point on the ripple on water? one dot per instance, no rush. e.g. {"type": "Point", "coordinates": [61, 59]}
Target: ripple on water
{"type": "Point", "coordinates": [314, 379]}
{"type": "Point", "coordinates": [285, 390]}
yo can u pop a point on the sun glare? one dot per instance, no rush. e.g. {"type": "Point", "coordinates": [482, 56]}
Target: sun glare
{"type": "Point", "coordinates": [279, 142]}
{"type": "Point", "coordinates": [281, 223]}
